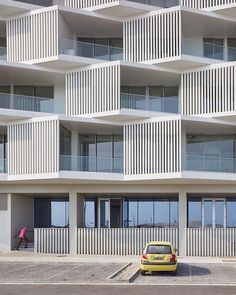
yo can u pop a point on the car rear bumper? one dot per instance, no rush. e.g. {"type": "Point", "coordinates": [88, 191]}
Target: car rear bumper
{"type": "Point", "coordinates": [159, 267]}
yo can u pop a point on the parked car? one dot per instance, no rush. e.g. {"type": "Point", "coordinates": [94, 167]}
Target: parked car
{"type": "Point", "coordinates": [159, 256]}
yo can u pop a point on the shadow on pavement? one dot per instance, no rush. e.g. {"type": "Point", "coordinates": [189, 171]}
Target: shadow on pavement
{"type": "Point", "coordinates": [186, 270]}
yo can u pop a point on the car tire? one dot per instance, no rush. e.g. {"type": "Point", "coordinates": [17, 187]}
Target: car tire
{"type": "Point", "coordinates": [142, 272]}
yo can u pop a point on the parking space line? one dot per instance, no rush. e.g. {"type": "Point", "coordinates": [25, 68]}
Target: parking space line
{"type": "Point", "coordinates": [64, 271]}
{"type": "Point", "coordinates": [18, 269]}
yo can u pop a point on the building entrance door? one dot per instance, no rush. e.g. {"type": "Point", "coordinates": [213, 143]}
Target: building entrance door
{"type": "Point", "coordinates": [110, 213]}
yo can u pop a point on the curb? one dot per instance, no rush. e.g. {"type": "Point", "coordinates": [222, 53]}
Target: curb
{"type": "Point", "coordinates": [116, 273]}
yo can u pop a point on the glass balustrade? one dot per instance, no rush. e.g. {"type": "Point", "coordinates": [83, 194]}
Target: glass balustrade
{"type": "Point", "coordinates": [37, 2]}
{"type": "Point", "coordinates": [149, 103]}
{"type": "Point", "coordinates": [30, 103]}
{"type": "Point", "coordinates": [3, 165]}
{"type": "Point", "coordinates": [208, 50]}
{"type": "Point", "coordinates": [210, 164]}
{"type": "Point", "coordinates": [91, 164]}
{"type": "Point", "coordinates": [90, 50]}
{"type": "Point", "coordinates": [3, 53]}
{"type": "Point", "coordinates": [159, 3]}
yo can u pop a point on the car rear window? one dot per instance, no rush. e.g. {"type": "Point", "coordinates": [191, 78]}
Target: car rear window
{"type": "Point", "coordinates": [158, 249]}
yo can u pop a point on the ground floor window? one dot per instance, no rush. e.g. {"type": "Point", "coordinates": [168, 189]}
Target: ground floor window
{"type": "Point", "coordinates": [131, 212]}
{"type": "Point", "coordinates": [51, 212]}
{"type": "Point", "coordinates": [208, 212]}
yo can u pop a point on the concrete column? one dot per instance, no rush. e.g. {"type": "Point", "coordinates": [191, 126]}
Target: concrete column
{"type": "Point", "coordinates": [73, 222]}
{"type": "Point", "coordinates": [5, 222]}
{"type": "Point", "coordinates": [182, 223]}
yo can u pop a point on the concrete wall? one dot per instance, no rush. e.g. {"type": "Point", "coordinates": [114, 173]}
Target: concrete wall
{"type": "Point", "coordinates": [22, 214]}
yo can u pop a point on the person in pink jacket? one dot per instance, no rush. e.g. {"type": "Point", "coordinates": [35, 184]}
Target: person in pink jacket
{"type": "Point", "coordinates": [22, 236]}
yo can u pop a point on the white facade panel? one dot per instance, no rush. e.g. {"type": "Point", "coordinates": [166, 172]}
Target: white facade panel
{"type": "Point", "coordinates": [32, 36]}
{"type": "Point", "coordinates": [93, 90]}
{"type": "Point", "coordinates": [82, 4]}
{"type": "Point", "coordinates": [208, 91]}
{"type": "Point", "coordinates": [152, 147]}
{"type": "Point", "coordinates": [33, 147]}
{"type": "Point", "coordinates": [152, 37]}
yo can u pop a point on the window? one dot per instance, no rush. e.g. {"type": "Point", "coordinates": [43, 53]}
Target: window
{"type": "Point", "coordinates": [195, 213]}
{"type": "Point", "coordinates": [65, 141]}
{"type": "Point", "coordinates": [211, 153]}
{"type": "Point", "coordinates": [214, 48]}
{"type": "Point", "coordinates": [90, 216]}
{"type": "Point", "coordinates": [151, 212]}
{"type": "Point", "coordinates": [102, 153]}
{"type": "Point", "coordinates": [231, 49]}
{"type": "Point", "coordinates": [158, 249]}
{"type": "Point", "coordinates": [231, 212]}
{"type": "Point", "coordinates": [3, 151]}
{"type": "Point", "coordinates": [51, 212]}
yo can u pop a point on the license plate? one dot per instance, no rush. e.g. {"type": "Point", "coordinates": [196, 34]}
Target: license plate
{"type": "Point", "coordinates": [159, 258]}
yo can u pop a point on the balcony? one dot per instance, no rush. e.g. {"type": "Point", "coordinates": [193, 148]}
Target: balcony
{"type": "Point", "coordinates": [30, 103]}
{"type": "Point", "coordinates": [210, 164]}
{"type": "Point", "coordinates": [3, 53]}
{"type": "Point", "coordinates": [149, 103]}
{"type": "Point", "coordinates": [90, 50]}
{"type": "Point", "coordinates": [91, 164]}
{"type": "Point", "coordinates": [208, 50]}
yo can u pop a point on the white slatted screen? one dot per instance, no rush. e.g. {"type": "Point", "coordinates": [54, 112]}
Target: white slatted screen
{"type": "Point", "coordinates": [81, 4]}
{"type": "Point", "coordinates": [152, 147]}
{"type": "Point", "coordinates": [201, 4]}
{"type": "Point", "coordinates": [208, 91]}
{"type": "Point", "coordinates": [152, 37]}
{"type": "Point", "coordinates": [33, 36]}
{"type": "Point", "coordinates": [33, 147]}
{"type": "Point", "coordinates": [93, 90]}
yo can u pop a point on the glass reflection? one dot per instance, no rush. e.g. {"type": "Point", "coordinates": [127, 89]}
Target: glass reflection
{"type": "Point", "coordinates": [207, 207]}
{"type": "Point", "coordinates": [90, 213]}
{"type": "Point", "coordinates": [219, 213]}
{"type": "Point", "coordinates": [145, 213]}
{"type": "Point", "coordinates": [104, 214]}
{"type": "Point", "coordinates": [231, 213]}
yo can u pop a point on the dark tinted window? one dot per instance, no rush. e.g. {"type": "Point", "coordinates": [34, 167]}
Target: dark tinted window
{"type": "Point", "coordinates": [158, 249]}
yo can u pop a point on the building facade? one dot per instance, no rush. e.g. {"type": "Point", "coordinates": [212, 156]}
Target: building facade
{"type": "Point", "coordinates": [118, 125]}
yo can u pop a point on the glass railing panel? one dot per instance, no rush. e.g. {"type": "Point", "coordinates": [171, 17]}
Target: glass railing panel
{"type": "Point", "coordinates": [3, 165]}
{"type": "Point", "coordinates": [208, 50]}
{"type": "Point", "coordinates": [91, 164]}
{"type": "Point", "coordinates": [90, 50]}
{"type": "Point", "coordinates": [159, 3]}
{"type": "Point", "coordinates": [30, 103]}
{"type": "Point", "coordinates": [149, 103]}
{"type": "Point", "coordinates": [37, 2]}
{"type": "Point", "coordinates": [210, 164]}
{"type": "Point", "coordinates": [3, 53]}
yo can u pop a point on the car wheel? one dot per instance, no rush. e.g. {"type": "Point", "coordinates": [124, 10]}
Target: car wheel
{"type": "Point", "coordinates": [142, 272]}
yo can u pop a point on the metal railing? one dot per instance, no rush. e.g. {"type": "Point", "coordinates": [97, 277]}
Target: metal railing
{"type": "Point", "coordinates": [210, 164]}
{"type": "Point", "coordinates": [209, 242]}
{"type": "Point", "coordinates": [91, 164]}
{"type": "Point", "coordinates": [122, 241]}
{"type": "Point", "coordinates": [149, 103]}
{"type": "Point", "coordinates": [30, 103]}
{"type": "Point", "coordinates": [90, 50]}
{"type": "Point", "coordinates": [52, 240]}
{"type": "Point", "coordinates": [201, 4]}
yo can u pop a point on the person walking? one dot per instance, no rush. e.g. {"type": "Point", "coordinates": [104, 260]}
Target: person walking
{"type": "Point", "coordinates": [22, 237]}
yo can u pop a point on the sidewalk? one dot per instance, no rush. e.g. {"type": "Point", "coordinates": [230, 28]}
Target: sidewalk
{"type": "Point", "coordinates": [21, 256]}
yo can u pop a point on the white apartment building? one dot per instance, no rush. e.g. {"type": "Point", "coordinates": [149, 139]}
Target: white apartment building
{"type": "Point", "coordinates": [118, 125]}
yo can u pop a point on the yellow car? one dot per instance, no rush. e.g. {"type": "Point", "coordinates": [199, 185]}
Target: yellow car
{"type": "Point", "coordinates": [159, 256]}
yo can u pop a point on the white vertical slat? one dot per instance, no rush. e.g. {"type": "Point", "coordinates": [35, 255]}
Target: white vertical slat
{"type": "Point", "coordinates": [33, 36]}
{"type": "Point", "coordinates": [153, 147]}
{"type": "Point", "coordinates": [36, 145]}
{"type": "Point", "coordinates": [93, 90]}
{"type": "Point", "coordinates": [208, 91]}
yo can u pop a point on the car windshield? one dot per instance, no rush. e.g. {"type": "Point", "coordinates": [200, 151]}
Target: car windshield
{"type": "Point", "coordinates": [158, 249]}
